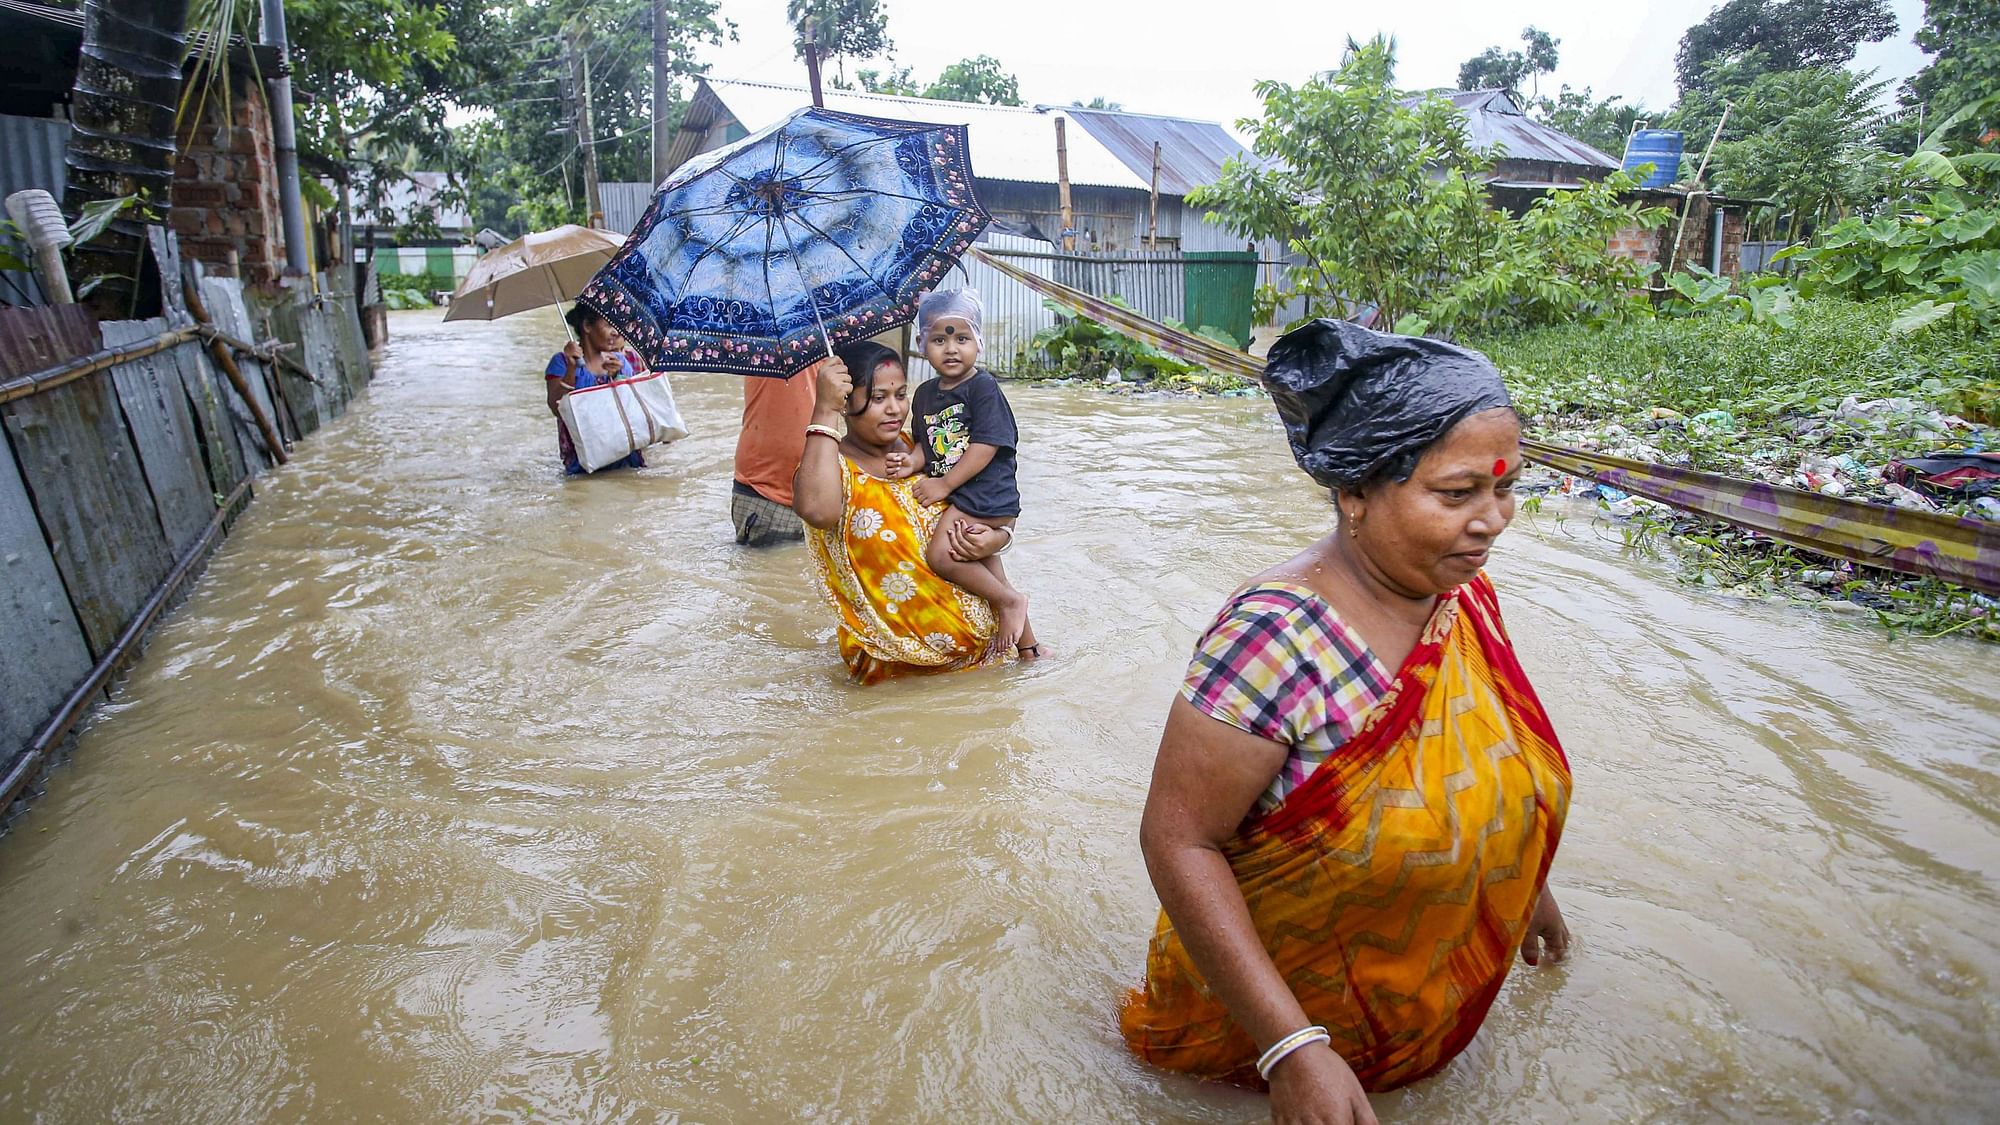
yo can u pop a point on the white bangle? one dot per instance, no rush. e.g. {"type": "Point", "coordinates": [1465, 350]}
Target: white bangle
{"type": "Point", "coordinates": [1300, 1038]}
{"type": "Point", "coordinates": [823, 431]}
{"type": "Point", "coordinates": [1010, 541]}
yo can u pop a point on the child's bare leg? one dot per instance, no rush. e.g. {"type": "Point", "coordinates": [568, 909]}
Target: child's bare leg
{"type": "Point", "coordinates": [989, 582]}
{"type": "Point", "coordinates": [1026, 645]}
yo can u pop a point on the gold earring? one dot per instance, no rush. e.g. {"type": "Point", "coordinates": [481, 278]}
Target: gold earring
{"type": "Point", "coordinates": [1353, 527]}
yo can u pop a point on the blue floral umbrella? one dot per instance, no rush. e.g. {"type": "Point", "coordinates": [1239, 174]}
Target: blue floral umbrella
{"type": "Point", "coordinates": [761, 257]}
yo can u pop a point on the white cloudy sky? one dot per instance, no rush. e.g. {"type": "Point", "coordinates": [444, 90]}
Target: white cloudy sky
{"type": "Point", "coordinates": [1200, 60]}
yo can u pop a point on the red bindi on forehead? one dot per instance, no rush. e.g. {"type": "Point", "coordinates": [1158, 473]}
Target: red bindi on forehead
{"type": "Point", "coordinates": [1500, 467]}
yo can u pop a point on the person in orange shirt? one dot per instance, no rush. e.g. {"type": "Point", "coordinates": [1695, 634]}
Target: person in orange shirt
{"type": "Point", "coordinates": [775, 415]}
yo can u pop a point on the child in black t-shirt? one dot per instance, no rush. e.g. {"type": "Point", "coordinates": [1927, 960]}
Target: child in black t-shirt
{"type": "Point", "coordinates": [965, 431]}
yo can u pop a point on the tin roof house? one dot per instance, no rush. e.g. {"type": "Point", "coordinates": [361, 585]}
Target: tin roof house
{"type": "Point", "coordinates": [1536, 159]}
{"type": "Point", "coordinates": [1110, 158]}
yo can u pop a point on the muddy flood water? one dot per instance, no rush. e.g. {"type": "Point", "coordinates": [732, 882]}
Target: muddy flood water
{"type": "Point", "coordinates": [458, 791]}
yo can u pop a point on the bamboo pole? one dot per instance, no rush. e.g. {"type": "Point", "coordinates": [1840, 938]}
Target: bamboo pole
{"type": "Point", "coordinates": [74, 369]}
{"type": "Point", "coordinates": [1680, 228]}
{"type": "Point", "coordinates": [1062, 189]}
{"type": "Point", "coordinates": [272, 443]}
{"type": "Point", "coordinates": [1153, 204]}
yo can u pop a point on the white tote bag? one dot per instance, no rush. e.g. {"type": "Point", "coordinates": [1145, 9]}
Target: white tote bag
{"type": "Point", "coordinates": [611, 420]}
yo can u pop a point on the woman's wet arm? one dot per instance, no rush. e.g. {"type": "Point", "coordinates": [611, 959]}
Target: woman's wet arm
{"type": "Point", "coordinates": [1205, 780]}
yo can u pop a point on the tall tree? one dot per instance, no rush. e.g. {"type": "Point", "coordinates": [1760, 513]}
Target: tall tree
{"type": "Point", "coordinates": [1964, 35]}
{"type": "Point", "coordinates": [1603, 125]}
{"type": "Point", "coordinates": [844, 29]}
{"type": "Point", "coordinates": [896, 80]}
{"type": "Point", "coordinates": [128, 83]}
{"type": "Point", "coordinates": [521, 164]}
{"type": "Point", "coordinates": [1345, 177]}
{"type": "Point", "coordinates": [1804, 140]}
{"type": "Point", "coordinates": [376, 105]}
{"type": "Point", "coordinates": [1790, 34]}
{"type": "Point", "coordinates": [977, 79]}
{"type": "Point", "coordinates": [1494, 69]}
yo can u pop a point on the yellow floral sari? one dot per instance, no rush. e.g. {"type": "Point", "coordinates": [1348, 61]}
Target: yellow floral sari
{"type": "Point", "coordinates": [896, 617]}
{"type": "Point", "coordinates": [1393, 888]}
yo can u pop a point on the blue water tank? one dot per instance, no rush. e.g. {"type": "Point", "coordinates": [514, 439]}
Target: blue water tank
{"type": "Point", "coordinates": [1659, 147]}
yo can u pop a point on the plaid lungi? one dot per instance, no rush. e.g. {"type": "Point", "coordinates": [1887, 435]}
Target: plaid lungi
{"type": "Point", "coordinates": [761, 522]}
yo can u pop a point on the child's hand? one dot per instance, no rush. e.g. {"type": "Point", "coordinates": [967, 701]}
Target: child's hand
{"type": "Point", "coordinates": [970, 542]}
{"type": "Point", "coordinates": [900, 464]}
{"type": "Point", "coordinates": [932, 490]}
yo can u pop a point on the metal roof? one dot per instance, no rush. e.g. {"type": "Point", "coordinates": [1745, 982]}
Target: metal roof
{"type": "Point", "coordinates": [1192, 153]}
{"type": "Point", "coordinates": [1494, 118]}
{"type": "Point", "coordinates": [1007, 142]}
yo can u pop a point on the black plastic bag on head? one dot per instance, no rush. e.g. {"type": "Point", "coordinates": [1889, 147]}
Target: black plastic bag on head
{"type": "Point", "coordinates": [1356, 402]}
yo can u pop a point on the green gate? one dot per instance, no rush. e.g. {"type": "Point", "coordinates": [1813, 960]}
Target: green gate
{"type": "Point", "coordinates": [1219, 287]}
{"type": "Point", "coordinates": [437, 262]}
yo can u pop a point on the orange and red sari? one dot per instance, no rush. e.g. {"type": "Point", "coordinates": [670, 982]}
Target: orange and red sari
{"type": "Point", "coordinates": [1394, 886]}
{"type": "Point", "coordinates": [896, 617]}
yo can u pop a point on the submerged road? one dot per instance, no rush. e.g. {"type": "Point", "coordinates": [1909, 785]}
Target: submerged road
{"type": "Point", "coordinates": [461, 791]}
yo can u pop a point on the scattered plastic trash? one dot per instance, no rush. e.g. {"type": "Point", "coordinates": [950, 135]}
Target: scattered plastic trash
{"type": "Point", "coordinates": [1609, 494]}
{"type": "Point", "coordinates": [1906, 498]}
{"type": "Point", "coordinates": [1948, 473]}
{"type": "Point", "coordinates": [1986, 507]}
{"type": "Point", "coordinates": [1721, 420]}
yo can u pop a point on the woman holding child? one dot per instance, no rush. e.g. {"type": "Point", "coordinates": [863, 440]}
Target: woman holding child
{"type": "Point", "coordinates": [874, 526]}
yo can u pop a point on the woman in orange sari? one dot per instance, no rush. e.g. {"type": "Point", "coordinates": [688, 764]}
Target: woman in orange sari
{"type": "Point", "coordinates": [867, 531]}
{"type": "Point", "coordinates": [1357, 795]}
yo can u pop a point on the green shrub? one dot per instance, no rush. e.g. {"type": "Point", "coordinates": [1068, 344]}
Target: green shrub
{"type": "Point", "coordinates": [1077, 347]}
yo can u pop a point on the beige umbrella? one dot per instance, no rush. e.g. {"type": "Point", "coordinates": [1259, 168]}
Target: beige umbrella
{"type": "Point", "coordinates": [543, 268]}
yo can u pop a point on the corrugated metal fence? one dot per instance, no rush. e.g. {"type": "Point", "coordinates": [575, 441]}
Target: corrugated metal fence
{"type": "Point", "coordinates": [1152, 283]}
{"type": "Point", "coordinates": [114, 483]}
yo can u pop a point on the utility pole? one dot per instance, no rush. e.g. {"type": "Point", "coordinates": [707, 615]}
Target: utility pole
{"type": "Point", "coordinates": [278, 89]}
{"type": "Point", "coordinates": [663, 91]}
{"type": "Point", "coordinates": [579, 65]}
{"type": "Point", "coordinates": [1062, 189]}
{"type": "Point", "coordinates": [812, 63]}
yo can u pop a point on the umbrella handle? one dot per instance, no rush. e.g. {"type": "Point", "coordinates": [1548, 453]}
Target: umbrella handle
{"type": "Point", "coordinates": [556, 292]}
{"type": "Point", "coordinates": [825, 337]}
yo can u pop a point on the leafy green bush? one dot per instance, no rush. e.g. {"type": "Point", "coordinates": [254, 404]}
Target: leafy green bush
{"type": "Point", "coordinates": [399, 297]}
{"type": "Point", "coordinates": [1077, 347]}
{"type": "Point", "coordinates": [1763, 299]}
{"type": "Point", "coordinates": [1835, 348]}
{"type": "Point", "coordinates": [425, 282]}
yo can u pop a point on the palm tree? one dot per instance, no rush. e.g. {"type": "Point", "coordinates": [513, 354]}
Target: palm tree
{"type": "Point", "coordinates": [128, 85]}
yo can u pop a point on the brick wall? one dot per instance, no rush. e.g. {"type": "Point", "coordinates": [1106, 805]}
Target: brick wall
{"type": "Point", "coordinates": [1637, 243]}
{"type": "Point", "coordinates": [225, 194]}
{"type": "Point", "coordinates": [1656, 247]}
